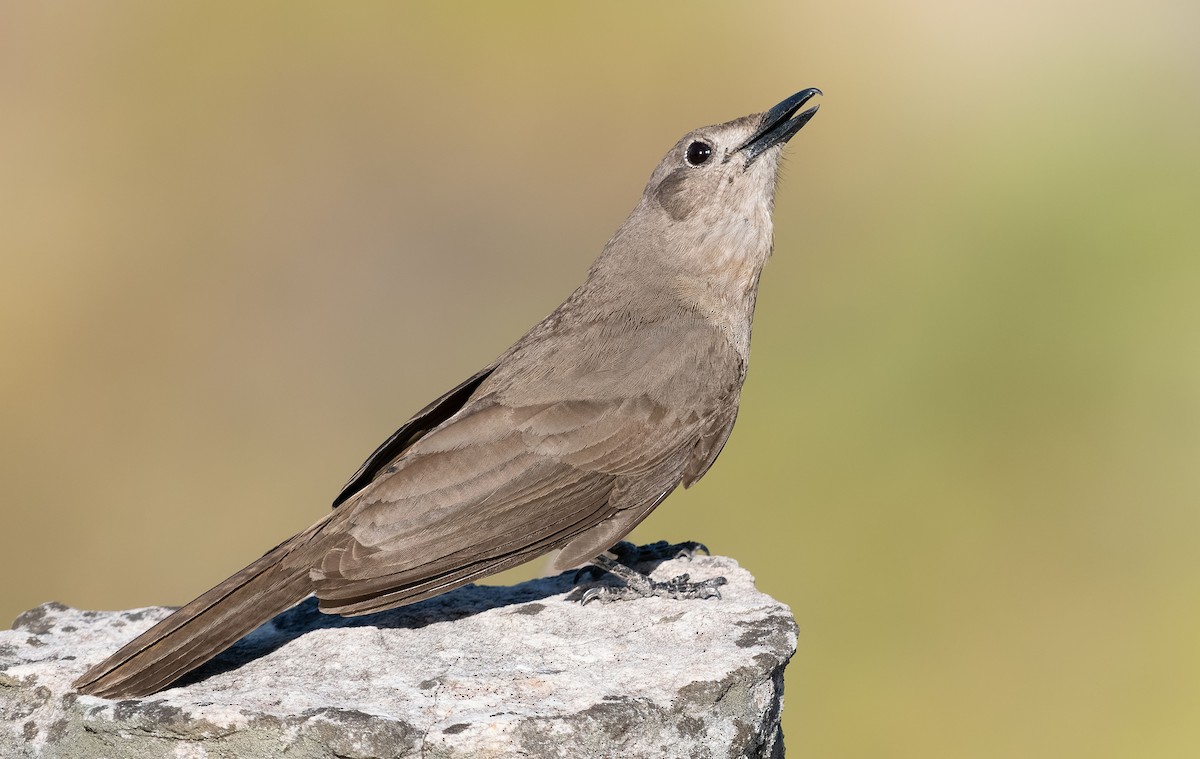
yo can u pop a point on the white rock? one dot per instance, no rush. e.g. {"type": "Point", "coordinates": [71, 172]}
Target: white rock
{"type": "Point", "coordinates": [478, 672]}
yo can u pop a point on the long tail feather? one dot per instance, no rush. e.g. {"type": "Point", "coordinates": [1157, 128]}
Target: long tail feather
{"type": "Point", "coordinates": [207, 626]}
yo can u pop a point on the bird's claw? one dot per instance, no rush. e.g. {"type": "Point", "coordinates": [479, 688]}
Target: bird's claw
{"type": "Point", "coordinates": [589, 595]}
{"type": "Point", "coordinates": [586, 571]}
{"type": "Point", "coordinates": [632, 555]}
{"type": "Point", "coordinates": [679, 588]}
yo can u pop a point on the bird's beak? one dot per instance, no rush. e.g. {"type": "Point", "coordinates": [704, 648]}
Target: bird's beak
{"type": "Point", "coordinates": [778, 126]}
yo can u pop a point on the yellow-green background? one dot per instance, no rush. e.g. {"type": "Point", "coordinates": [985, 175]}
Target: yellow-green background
{"type": "Point", "coordinates": [240, 242]}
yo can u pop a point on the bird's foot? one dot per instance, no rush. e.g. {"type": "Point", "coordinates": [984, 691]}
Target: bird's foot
{"type": "Point", "coordinates": [638, 585]}
{"type": "Point", "coordinates": [631, 555]}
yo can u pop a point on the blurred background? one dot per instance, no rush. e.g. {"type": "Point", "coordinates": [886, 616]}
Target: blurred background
{"type": "Point", "coordinates": [241, 243]}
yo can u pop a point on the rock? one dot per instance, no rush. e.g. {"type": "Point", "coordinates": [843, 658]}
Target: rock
{"type": "Point", "coordinates": [479, 672]}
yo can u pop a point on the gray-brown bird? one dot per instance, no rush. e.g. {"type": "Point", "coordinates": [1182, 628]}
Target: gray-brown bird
{"type": "Point", "coordinates": [566, 441]}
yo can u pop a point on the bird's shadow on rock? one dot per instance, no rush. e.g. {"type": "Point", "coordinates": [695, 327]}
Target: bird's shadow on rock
{"type": "Point", "coordinates": [306, 617]}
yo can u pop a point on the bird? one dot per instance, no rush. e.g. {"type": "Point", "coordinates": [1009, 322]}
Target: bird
{"type": "Point", "coordinates": [566, 441]}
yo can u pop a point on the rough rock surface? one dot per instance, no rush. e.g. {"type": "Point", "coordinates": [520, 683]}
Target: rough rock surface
{"type": "Point", "coordinates": [479, 672]}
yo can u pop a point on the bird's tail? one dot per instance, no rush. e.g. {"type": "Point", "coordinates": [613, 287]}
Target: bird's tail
{"type": "Point", "coordinates": [208, 625]}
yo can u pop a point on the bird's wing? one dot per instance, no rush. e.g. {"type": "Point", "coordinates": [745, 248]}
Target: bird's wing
{"type": "Point", "coordinates": [711, 442]}
{"type": "Point", "coordinates": [639, 496]}
{"type": "Point", "coordinates": [532, 462]}
{"type": "Point", "coordinates": [424, 420]}
{"type": "Point", "coordinates": [494, 488]}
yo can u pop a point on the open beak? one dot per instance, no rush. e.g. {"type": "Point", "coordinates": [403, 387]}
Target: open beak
{"type": "Point", "coordinates": [778, 126]}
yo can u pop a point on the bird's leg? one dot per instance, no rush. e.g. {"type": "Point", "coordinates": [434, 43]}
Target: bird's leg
{"type": "Point", "coordinates": [638, 585]}
{"type": "Point", "coordinates": [629, 554]}
{"type": "Point", "coordinates": [632, 555]}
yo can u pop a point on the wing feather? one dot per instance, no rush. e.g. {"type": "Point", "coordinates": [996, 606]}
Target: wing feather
{"type": "Point", "coordinates": [539, 454]}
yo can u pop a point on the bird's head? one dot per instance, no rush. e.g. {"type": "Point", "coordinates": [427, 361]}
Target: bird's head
{"type": "Point", "coordinates": [706, 213]}
{"type": "Point", "coordinates": [718, 173]}
{"type": "Point", "coordinates": [703, 228]}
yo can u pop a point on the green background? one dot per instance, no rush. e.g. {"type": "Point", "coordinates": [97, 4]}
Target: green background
{"type": "Point", "coordinates": [241, 242]}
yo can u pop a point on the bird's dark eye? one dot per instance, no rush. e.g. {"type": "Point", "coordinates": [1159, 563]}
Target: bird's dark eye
{"type": "Point", "coordinates": [698, 153]}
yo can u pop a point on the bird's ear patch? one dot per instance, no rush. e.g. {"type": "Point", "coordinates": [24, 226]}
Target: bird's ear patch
{"type": "Point", "coordinates": [671, 196]}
